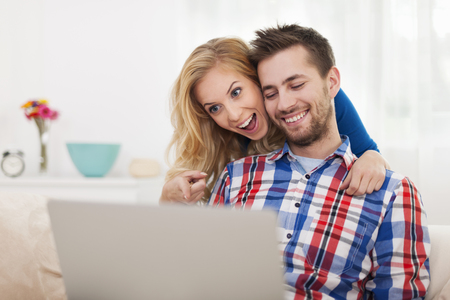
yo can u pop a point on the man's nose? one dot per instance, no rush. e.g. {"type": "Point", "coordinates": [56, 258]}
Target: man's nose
{"type": "Point", "coordinates": [285, 101]}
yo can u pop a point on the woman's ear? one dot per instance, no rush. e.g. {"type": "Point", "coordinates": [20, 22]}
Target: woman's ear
{"type": "Point", "coordinates": [334, 81]}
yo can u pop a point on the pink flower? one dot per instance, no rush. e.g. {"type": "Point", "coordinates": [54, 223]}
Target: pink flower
{"type": "Point", "coordinates": [44, 112]}
{"type": "Point", "coordinates": [54, 115]}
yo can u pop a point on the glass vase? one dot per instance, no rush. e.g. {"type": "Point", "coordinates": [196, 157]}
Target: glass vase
{"type": "Point", "coordinates": [43, 127]}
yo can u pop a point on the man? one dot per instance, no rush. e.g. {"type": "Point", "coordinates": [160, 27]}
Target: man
{"type": "Point", "coordinates": [333, 245]}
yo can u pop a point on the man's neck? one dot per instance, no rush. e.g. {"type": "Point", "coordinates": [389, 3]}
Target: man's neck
{"type": "Point", "coordinates": [321, 148]}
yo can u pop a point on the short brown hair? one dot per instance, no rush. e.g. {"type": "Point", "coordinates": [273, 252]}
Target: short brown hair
{"type": "Point", "coordinates": [270, 41]}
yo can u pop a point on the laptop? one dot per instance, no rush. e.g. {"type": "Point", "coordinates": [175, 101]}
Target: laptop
{"type": "Point", "coordinates": [122, 251]}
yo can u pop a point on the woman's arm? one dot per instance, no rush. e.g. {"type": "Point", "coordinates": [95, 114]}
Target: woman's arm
{"type": "Point", "coordinates": [350, 124]}
{"type": "Point", "coordinates": [368, 172]}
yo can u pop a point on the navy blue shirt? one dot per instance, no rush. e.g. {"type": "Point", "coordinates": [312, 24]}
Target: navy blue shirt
{"type": "Point", "coordinates": [350, 124]}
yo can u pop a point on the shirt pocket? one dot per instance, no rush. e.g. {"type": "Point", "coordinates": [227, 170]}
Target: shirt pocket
{"type": "Point", "coordinates": [332, 241]}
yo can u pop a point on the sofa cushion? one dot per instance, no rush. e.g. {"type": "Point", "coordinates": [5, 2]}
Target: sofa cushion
{"type": "Point", "coordinates": [29, 265]}
{"type": "Point", "coordinates": [445, 292]}
{"type": "Point", "coordinates": [439, 263]}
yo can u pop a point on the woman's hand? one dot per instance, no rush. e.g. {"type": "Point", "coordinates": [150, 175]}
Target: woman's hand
{"type": "Point", "coordinates": [187, 187]}
{"type": "Point", "coordinates": [366, 175]}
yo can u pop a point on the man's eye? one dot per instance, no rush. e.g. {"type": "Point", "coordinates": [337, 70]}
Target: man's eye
{"type": "Point", "coordinates": [298, 86]}
{"type": "Point", "coordinates": [270, 96]}
{"type": "Point", "coordinates": [213, 109]}
{"type": "Point", "coordinates": [235, 92]}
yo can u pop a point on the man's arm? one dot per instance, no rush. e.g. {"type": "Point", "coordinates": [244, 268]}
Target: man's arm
{"type": "Point", "coordinates": [400, 255]}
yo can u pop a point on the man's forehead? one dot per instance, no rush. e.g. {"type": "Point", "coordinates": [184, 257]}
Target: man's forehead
{"type": "Point", "coordinates": [282, 71]}
{"type": "Point", "coordinates": [301, 53]}
{"type": "Point", "coordinates": [285, 66]}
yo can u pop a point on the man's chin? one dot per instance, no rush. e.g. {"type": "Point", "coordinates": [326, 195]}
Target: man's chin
{"type": "Point", "coordinates": [300, 142]}
{"type": "Point", "coordinates": [301, 139]}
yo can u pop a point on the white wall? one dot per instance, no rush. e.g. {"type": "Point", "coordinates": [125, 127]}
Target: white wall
{"type": "Point", "coordinates": [109, 67]}
{"type": "Point", "coordinates": [106, 66]}
{"type": "Point", "coordinates": [21, 73]}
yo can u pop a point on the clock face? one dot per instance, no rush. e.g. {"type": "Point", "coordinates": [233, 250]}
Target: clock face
{"type": "Point", "coordinates": [12, 165]}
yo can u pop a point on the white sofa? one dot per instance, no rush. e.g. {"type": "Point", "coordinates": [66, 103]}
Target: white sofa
{"type": "Point", "coordinates": [439, 288]}
{"type": "Point", "coordinates": [30, 268]}
{"type": "Point", "coordinates": [29, 265]}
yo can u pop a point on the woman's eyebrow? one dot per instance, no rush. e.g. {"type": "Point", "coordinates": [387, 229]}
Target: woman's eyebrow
{"type": "Point", "coordinates": [231, 86]}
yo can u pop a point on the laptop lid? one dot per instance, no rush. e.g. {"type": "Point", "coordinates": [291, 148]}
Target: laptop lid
{"type": "Point", "coordinates": [119, 251]}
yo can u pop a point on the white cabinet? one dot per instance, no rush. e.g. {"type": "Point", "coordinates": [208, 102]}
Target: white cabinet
{"type": "Point", "coordinates": [105, 189]}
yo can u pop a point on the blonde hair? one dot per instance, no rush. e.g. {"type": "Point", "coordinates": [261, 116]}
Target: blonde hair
{"type": "Point", "coordinates": [199, 143]}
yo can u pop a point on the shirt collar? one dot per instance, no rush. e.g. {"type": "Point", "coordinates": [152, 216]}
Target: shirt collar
{"type": "Point", "coordinates": [344, 151]}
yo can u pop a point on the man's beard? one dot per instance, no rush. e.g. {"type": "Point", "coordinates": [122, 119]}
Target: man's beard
{"type": "Point", "coordinates": [318, 128]}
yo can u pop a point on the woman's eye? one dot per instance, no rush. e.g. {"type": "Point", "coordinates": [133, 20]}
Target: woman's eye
{"type": "Point", "coordinates": [235, 92]}
{"type": "Point", "coordinates": [213, 109]}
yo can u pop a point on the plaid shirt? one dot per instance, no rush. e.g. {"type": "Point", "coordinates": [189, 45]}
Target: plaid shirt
{"type": "Point", "coordinates": [334, 245]}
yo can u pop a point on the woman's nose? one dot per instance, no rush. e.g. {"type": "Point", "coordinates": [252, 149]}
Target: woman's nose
{"type": "Point", "coordinates": [234, 113]}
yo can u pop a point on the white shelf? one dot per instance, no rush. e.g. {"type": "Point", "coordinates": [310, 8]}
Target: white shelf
{"type": "Point", "coordinates": [69, 182]}
{"type": "Point", "coordinates": [104, 189]}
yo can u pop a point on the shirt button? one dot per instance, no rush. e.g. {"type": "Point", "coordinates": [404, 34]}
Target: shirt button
{"type": "Point", "coordinates": [289, 235]}
{"type": "Point", "coordinates": [297, 204]}
{"type": "Point", "coordinates": [307, 176]}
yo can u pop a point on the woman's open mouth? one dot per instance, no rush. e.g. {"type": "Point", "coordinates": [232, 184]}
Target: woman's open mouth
{"type": "Point", "coordinates": [250, 124]}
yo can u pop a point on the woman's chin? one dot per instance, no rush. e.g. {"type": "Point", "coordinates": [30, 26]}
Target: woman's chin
{"type": "Point", "coordinates": [257, 135]}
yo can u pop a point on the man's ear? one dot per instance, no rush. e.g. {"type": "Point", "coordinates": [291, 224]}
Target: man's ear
{"type": "Point", "coordinates": [334, 81]}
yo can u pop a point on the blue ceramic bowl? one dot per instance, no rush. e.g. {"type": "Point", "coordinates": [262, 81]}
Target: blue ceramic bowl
{"type": "Point", "coordinates": [93, 160]}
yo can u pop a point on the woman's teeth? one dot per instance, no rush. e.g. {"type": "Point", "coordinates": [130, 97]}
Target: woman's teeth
{"type": "Point", "coordinates": [246, 122]}
{"type": "Point", "coordinates": [295, 118]}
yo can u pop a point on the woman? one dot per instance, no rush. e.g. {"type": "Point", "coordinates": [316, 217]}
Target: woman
{"type": "Point", "coordinates": [218, 114]}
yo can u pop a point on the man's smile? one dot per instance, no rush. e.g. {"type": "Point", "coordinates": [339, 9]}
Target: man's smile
{"type": "Point", "coordinates": [296, 117]}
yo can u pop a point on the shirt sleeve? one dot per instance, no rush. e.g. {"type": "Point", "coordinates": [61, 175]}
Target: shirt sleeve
{"type": "Point", "coordinates": [220, 195]}
{"type": "Point", "coordinates": [350, 124]}
{"type": "Point", "coordinates": [400, 255]}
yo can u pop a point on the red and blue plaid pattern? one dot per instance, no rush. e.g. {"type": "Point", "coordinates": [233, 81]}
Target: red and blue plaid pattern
{"type": "Point", "coordinates": [334, 245]}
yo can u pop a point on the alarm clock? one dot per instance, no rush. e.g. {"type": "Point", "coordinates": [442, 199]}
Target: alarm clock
{"type": "Point", "coordinates": [12, 163]}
